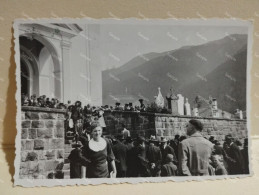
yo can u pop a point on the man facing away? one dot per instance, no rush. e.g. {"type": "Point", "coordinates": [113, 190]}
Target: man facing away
{"type": "Point", "coordinates": [120, 153]}
{"type": "Point", "coordinates": [195, 151]}
{"type": "Point", "coordinates": [125, 132]}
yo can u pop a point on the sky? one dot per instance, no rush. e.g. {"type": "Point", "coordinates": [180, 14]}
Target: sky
{"type": "Point", "coordinates": [116, 44]}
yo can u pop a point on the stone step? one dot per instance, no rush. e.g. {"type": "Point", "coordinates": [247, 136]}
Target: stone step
{"type": "Point", "coordinates": [66, 174]}
{"type": "Point", "coordinates": [66, 166]}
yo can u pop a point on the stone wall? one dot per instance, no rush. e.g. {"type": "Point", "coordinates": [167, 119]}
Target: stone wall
{"type": "Point", "coordinates": [42, 143]}
{"type": "Point", "coordinates": [168, 125]}
{"type": "Point", "coordinates": [138, 123]}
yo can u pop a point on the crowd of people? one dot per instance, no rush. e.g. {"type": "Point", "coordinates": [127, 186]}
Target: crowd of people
{"type": "Point", "coordinates": [98, 156]}
{"type": "Point", "coordinates": [46, 102]}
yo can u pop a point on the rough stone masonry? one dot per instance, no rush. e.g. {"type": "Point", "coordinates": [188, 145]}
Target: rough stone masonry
{"type": "Point", "coordinates": [42, 143]}
{"type": "Point", "coordinates": [168, 125]}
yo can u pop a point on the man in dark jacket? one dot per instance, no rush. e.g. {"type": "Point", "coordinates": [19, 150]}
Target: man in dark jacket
{"type": "Point", "coordinates": [142, 161]}
{"type": "Point", "coordinates": [234, 157]}
{"type": "Point", "coordinates": [154, 157]}
{"type": "Point", "coordinates": [120, 153]}
{"type": "Point", "coordinates": [165, 150]}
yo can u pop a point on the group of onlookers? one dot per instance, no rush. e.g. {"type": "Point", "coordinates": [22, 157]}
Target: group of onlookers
{"type": "Point", "coordinates": [96, 155]}
{"type": "Point", "coordinates": [183, 156]}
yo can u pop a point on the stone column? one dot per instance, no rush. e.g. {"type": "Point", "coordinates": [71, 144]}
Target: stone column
{"type": "Point", "coordinates": [65, 48]}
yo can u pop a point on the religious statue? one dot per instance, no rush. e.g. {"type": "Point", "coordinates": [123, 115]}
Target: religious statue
{"type": "Point", "coordinates": [160, 102]}
{"type": "Point", "coordinates": [172, 99]}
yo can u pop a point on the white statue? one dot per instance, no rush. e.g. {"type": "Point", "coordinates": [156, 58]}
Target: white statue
{"type": "Point", "coordinates": [160, 102]}
{"type": "Point", "coordinates": [187, 108]}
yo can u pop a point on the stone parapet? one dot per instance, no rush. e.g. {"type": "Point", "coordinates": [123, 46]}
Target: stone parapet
{"type": "Point", "coordinates": [168, 125]}
{"type": "Point", "coordinates": [42, 142]}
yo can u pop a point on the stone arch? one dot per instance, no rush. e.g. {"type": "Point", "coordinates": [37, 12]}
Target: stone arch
{"type": "Point", "coordinates": [31, 64]}
{"type": "Point", "coordinates": [56, 61]}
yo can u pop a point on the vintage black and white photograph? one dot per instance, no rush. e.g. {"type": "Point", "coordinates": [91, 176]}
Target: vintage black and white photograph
{"type": "Point", "coordinates": [110, 101]}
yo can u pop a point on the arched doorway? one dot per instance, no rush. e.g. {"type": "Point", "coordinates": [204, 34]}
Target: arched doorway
{"type": "Point", "coordinates": [25, 79]}
{"type": "Point", "coordinates": [41, 66]}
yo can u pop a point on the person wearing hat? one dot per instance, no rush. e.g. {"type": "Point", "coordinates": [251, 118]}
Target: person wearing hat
{"type": "Point", "coordinates": [142, 164]}
{"type": "Point", "coordinates": [195, 151]}
{"type": "Point", "coordinates": [233, 157]}
{"type": "Point", "coordinates": [169, 169]}
{"type": "Point", "coordinates": [142, 105]}
{"type": "Point", "coordinates": [131, 108]}
{"type": "Point", "coordinates": [77, 160]}
{"type": "Point", "coordinates": [117, 106]}
{"type": "Point", "coordinates": [154, 157]}
{"type": "Point", "coordinates": [120, 153]}
{"type": "Point", "coordinates": [166, 149]}
{"type": "Point", "coordinates": [218, 150]}
{"type": "Point", "coordinates": [174, 143]}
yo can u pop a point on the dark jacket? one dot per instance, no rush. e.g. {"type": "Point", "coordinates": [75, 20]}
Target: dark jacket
{"type": "Point", "coordinates": [132, 162]}
{"type": "Point", "coordinates": [220, 170]}
{"type": "Point", "coordinates": [235, 160]}
{"type": "Point", "coordinates": [142, 162]}
{"type": "Point", "coordinates": [120, 153]}
{"type": "Point", "coordinates": [168, 170]}
{"type": "Point", "coordinates": [154, 156]}
{"type": "Point", "coordinates": [165, 151]}
{"type": "Point", "coordinates": [76, 161]}
{"type": "Point", "coordinates": [246, 160]}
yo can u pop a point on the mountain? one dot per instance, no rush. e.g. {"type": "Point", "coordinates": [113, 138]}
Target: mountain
{"type": "Point", "coordinates": [181, 68]}
{"type": "Point", "coordinates": [227, 83]}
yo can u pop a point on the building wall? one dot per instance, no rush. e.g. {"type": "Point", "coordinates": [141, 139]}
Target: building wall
{"type": "Point", "coordinates": [85, 69]}
{"type": "Point", "coordinates": [42, 143]}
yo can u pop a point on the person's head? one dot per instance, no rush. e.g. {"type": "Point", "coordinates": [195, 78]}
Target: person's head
{"type": "Point", "coordinates": [129, 140]}
{"type": "Point", "coordinates": [193, 126]}
{"type": "Point", "coordinates": [228, 139]}
{"type": "Point", "coordinates": [217, 143]}
{"type": "Point", "coordinates": [141, 141]}
{"type": "Point", "coordinates": [123, 125]}
{"type": "Point", "coordinates": [96, 130]}
{"type": "Point", "coordinates": [216, 160]}
{"type": "Point", "coordinates": [163, 141]}
{"type": "Point", "coordinates": [176, 137]}
{"type": "Point", "coordinates": [152, 140]}
{"type": "Point", "coordinates": [169, 158]}
{"type": "Point", "coordinates": [212, 139]}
